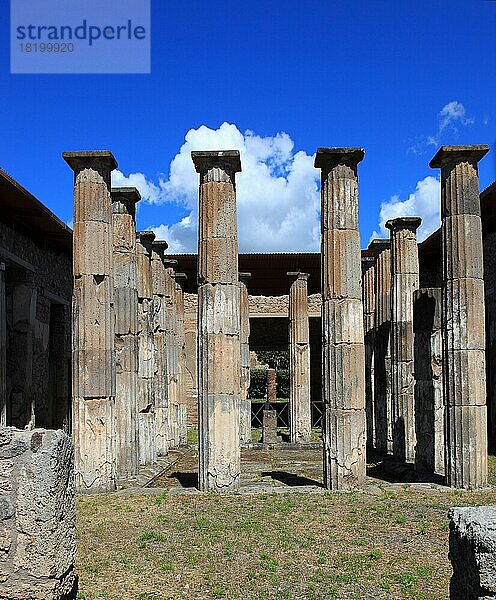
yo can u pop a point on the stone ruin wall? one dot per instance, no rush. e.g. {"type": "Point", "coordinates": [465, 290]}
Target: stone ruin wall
{"type": "Point", "coordinates": [38, 299]}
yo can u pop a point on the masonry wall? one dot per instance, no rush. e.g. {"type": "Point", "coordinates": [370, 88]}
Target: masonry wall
{"type": "Point", "coordinates": [38, 290]}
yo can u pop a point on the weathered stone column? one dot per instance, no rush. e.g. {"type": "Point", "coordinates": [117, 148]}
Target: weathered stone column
{"type": "Point", "coordinates": [271, 385]}
{"type": "Point", "coordinates": [404, 282]}
{"type": "Point", "coordinates": [245, 408]}
{"type": "Point", "coordinates": [464, 364]}
{"type": "Point", "coordinates": [218, 321]}
{"type": "Point", "coordinates": [93, 384]}
{"type": "Point", "coordinates": [147, 426]}
{"type": "Point", "coordinates": [180, 281]}
{"type": "Point", "coordinates": [429, 405]}
{"type": "Point", "coordinates": [126, 329]}
{"type": "Point", "coordinates": [160, 316]}
{"type": "Point", "coordinates": [172, 360]}
{"type": "Point", "coordinates": [300, 426]}
{"type": "Point", "coordinates": [3, 349]}
{"type": "Point", "coordinates": [343, 354]}
{"type": "Point", "coordinates": [368, 299]}
{"type": "Point", "coordinates": [382, 347]}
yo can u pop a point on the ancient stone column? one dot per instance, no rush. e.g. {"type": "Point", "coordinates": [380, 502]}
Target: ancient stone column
{"type": "Point", "coordinates": [343, 353]}
{"type": "Point", "coordinates": [172, 360]}
{"type": "Point", "coordinates": [368, 299]}
{"type": "Point", "coordinates": [300, 426]}
{"type": "Point", "coordinates": [160, 317]}
{"type": "Point", "coordinates": [126, 329]}
{"type": "Point", "coordinates": [271, 385]}
{"type": "Point", "coordinates": [93, 384]}
{"type": "Point", "coordinates": [245, 408]}
{"type": "Point", "coordinates": [180, 281]}
{"type": "Point", "coordinates": [147, 427]}
{"type": "Point", "coordinates": [3, 349]}
{"type": "Point", "coordinates": [219, 349]}
{"type": "Point", "coordinates": [429, 405]}
{"type": "Point", "coordinates": [404, 282]}
{"type": "Point", "coordinates": [382, 348]}
{"type": "Point", "coordinates": [464, 364]}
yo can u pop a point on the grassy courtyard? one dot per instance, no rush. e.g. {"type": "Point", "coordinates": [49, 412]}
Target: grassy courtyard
{"type": "Point", "coordinates": [389, 543]}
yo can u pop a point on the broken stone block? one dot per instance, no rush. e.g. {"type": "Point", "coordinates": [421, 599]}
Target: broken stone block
{"type": "Point", "coordinates": [472, 552]}
{"type": "Point", "coordinates": [38, 519]}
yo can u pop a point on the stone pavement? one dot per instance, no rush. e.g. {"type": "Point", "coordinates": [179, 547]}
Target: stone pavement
{"type": "Point", "coordinates": [282, 467]}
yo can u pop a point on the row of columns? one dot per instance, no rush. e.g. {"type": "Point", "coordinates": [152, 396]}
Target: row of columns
{"type": "Point", "coordinates": [427, 400]}
{"type": "Point", "coordinates": [348, 369]}
{"type": "Point", "coordinates": [127, 337]}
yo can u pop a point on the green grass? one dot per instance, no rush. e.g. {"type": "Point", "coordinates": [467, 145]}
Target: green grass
{"type": "Point", "coordinates": [268, 546]}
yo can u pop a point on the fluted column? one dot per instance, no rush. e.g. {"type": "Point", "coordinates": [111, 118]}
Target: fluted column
{"type": "Point", "coordinates": [404, 282]}
{"type": "Point", "coordinates": [368, 299]}
{"type": "Point", "coordinates": [126, 329]}
{"type": "Point", "coordinates": [171, 345]}
{"type": "Point", "coordinates": [219, 349]}
{"type": "Point", "coordinates": [160, 390]}
{"type": "Point", "coordinates": [464, 364]}
{"type": "Point", "coordinates": [300, 426]}
{"type": "Point", "coordinates": [93, 383]}
{"type": "Point", "coordinates": [429, 405]}
{"type": "Point", "coordinates": [381, 250]}
{"type": "Point", "coordinates": [180, 282]}
{"type": "Point", "coordinates": [344, 429]}
{"type": "Point", "coordinates": [245, 402]}
{"type": "Point", "coordinates": [147, 426]}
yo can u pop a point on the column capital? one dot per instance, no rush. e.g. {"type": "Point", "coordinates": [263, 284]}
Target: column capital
{"type": "Point", "coordinates": [379, 245]}
{"type": "Point", "coordinates": [457, 154]}
{"type": "Point", "coordinates": [330, 157]}
{"type": "Point", "coordinates": [297, 275]}
{"type": "Point", "coordinates": [159, 246]}
{"type": "Point", "coordinates": [81, 159]}
{"type": "Point", "coordinates": [244, 277]}
{"type": "Point", "coordinates": [411, 223]}
{"type": "Point", "coordinates": [169, 263]}
{"type": "Point", "coordinates": [124, 200]}
{"type": "Point", "coordinates": [146, 238]}
{"type": "Point", "coordinates": [367, 262]}
{"type": "Point", "coordinates": [227, 160]}
{"type": "Point", "coordinates": [181, 279]}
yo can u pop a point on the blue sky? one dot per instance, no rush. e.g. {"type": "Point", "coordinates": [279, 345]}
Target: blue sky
{"type": "Point", "coordinates": [397, 79]}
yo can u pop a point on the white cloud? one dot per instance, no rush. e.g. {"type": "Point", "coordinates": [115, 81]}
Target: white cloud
{"type": "Point", "coordinates": [424, 202]}
{"type": "Point", "coordinates": [451, 117]}
{"type": "Point", "coordinates": [277, 191]}
{"type": "Point", "coordinates": [452, 113]}
{"type": "Point", "coordinates": [146, 188]}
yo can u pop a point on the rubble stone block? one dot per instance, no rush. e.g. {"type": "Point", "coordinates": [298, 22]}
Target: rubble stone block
{"type": "Point", "coordinates": [472, 552]}
{"type": "Point", "coordinates": [38, 517]}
